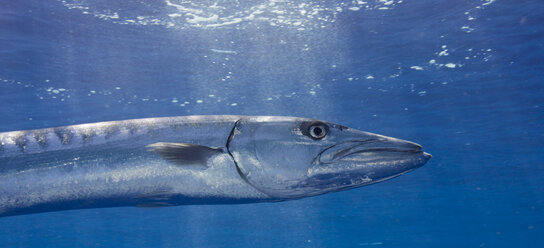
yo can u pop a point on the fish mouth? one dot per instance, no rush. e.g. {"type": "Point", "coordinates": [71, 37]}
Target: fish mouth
{"type": "Point", "coordinates": [371, 150]}
{"type": "Point", "coordinates": [356, 163]}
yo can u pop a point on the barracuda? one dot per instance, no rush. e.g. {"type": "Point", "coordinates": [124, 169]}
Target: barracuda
{"type": "Point", "coordinates": [192, 160]}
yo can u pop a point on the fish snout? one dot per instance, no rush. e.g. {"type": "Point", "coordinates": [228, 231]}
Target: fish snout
{"type": "Point", "coordinates": [355, 163]}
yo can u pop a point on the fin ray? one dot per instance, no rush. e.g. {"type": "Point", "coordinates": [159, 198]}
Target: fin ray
{"type": "Point", "coordinates": [184, 153]}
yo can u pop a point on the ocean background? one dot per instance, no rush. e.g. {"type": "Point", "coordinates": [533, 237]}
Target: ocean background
{"type": "Point", "coordinates": [465, 79]}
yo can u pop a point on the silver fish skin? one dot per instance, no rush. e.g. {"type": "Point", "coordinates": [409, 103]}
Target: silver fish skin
{"type": "Point", "coordinates": [169, 161]}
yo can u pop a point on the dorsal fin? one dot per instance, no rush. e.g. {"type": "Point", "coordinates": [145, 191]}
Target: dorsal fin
{"type": "Point", "coordinates": [185, 154]}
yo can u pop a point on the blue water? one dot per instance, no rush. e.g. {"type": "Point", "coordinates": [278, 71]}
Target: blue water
{"type": "Point", "coordinates": [462, 78]}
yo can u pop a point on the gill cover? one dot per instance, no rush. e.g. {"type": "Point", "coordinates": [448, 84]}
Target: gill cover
{"type": "Point", "coordinates": [274, 154]}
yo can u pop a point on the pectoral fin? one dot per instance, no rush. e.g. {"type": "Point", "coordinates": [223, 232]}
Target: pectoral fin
{"type": "Point", "coordinates": [185, 154]}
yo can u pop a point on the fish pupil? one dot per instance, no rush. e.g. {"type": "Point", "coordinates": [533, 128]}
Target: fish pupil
{"type": "Point", "coordinates": [317, 131]}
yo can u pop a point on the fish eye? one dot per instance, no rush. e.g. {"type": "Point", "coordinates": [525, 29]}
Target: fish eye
{"type": "Point", "coordinates": [317, 131]}
{"type": "Point", "coordinates": [314, 129]}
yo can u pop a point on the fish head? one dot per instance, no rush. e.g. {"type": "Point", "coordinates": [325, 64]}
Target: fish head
{"type": "Point", "coordinates": [289, 158]}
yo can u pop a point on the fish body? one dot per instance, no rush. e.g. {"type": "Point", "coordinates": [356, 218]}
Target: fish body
{"type": "Point", "coordinates": [170, 161]}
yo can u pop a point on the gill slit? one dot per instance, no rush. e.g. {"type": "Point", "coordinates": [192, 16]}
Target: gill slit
{"type": "Point", "coordinates": [240, 173]}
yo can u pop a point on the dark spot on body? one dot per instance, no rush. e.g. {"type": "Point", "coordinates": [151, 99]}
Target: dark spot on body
{"type": "Point", "coordinates": [111, 130]}
{"type": "Point", "coordinates": [132, 128]}
{"type": "Point", "coordinates": [341, 127]}
{"type": "Point", "coordinates": [152, 129]}
{"type": "Point", "coordinates": [87, 135]}
{"type": "Point", "coordinates": [65, 135]}
{"type": "Point", "coordinates": [21, 141]}
{"type": "Point", "coordinates": [175, 126]}
{"type": "Point", "coordinates": [41, 137]}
